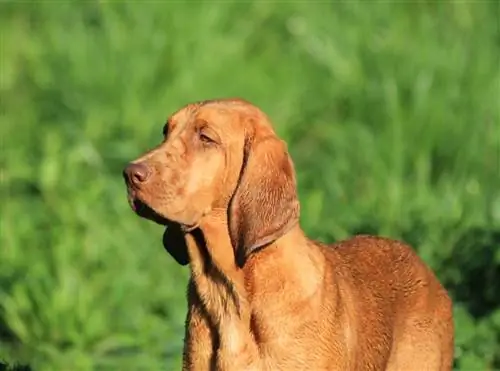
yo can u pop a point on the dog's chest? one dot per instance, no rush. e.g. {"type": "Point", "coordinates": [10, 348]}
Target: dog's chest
{"type": "Point", "coordinates": [296, 337]}
{"type": "Point", "coordinates": [284, 319]}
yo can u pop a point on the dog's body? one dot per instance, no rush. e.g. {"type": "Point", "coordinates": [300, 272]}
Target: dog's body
{"type": "Point", "coordinates": [262, 296]}
{"type": "Point", "coordinates": [367, 303]}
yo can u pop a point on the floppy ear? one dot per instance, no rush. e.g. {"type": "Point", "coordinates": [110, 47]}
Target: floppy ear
{"type": "Point", "coordinates": [175, 243]}
{"type": "Point", "coordinates": [265, 204]}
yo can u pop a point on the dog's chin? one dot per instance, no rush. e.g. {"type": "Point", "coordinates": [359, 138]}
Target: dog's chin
{"type": "Point", "coordinates": [145, 211]}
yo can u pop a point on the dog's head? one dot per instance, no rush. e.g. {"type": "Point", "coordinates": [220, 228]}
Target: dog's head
{"type": "Point", "coordinates": [216, 155]}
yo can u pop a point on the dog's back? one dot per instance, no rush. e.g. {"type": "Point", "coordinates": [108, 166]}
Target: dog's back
{"type": "Point", "coordinates": [400, 317]}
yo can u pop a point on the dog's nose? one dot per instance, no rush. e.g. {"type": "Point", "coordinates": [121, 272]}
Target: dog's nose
{"type": "Point", "coordinates": [136, 173]}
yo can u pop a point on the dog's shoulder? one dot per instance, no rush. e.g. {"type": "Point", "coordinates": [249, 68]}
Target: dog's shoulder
{"type": "Point", "coordinates": [376, 260]}
{"type": "Point", "coordinates": [369, 246]}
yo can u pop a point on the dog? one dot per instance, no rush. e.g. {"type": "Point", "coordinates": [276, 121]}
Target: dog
{"type": "Point", "coordinates": [262, 295]}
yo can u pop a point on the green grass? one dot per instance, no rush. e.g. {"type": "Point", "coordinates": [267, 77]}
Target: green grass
{"type": "Point", "coordinates": [390, 109]}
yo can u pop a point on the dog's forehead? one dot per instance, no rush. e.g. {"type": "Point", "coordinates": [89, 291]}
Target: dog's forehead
{"type": "Point", "coordinates": [181, 115]}
{"type": "Point", "coordinates": [219, 116]}
{"type": "Point", "coordinates": [226, 115]}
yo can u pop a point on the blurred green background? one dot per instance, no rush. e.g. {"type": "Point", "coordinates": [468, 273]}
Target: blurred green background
{"type": "Point", "coordinates": [390, 109]}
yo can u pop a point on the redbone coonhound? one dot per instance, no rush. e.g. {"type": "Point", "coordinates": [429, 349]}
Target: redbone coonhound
{"type": "Point", "coordinates": [262, 295]}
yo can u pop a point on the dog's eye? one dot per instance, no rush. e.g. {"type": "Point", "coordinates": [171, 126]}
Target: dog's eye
{"type": "Point", "coordinates": [206, 136]}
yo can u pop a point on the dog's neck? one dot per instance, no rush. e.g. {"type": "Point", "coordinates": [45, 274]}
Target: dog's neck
{"type": "Point", "coordinates": [214, 272]}
{"type": "Point", "coordinates": [217, 290]}
{"type": "Point", "coordinates": [217, 248]}
{"type": "Point", "coordinates": [294, 259]}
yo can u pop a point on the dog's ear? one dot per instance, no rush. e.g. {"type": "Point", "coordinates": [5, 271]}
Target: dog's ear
{"type": "Point", "coordinates": [265, 203]}
{"type": "Point", "coordinates": [174, 242]}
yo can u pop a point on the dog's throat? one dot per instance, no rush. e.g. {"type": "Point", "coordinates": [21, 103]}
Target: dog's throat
{"type": "Point", "coordinates": [221, 290]}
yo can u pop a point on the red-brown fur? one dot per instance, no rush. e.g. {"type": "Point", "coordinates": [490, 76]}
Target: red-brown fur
{"type": "Point", "coordinates": [262, 295]}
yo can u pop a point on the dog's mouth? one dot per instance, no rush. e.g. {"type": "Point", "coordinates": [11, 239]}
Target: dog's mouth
{"type": "Point", "coordinates": [147, 212]}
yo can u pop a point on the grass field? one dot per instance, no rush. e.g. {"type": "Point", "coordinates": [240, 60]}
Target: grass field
{"type": "Point", "coordinates": [390, 109]}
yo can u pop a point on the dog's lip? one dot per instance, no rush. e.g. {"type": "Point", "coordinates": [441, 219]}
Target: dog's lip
{"type": "Point", "coordinates": [143, 210]}
{"type": "Point", "coordinates": [186, 228]}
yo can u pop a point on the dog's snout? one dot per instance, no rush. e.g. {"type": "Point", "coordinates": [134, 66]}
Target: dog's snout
{"type": "Point", "coordinates": [136, 173]}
